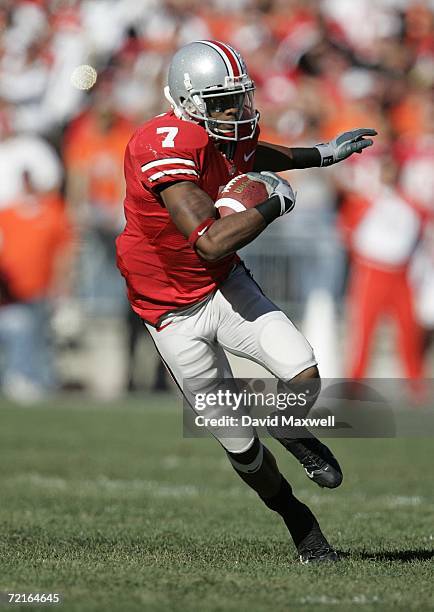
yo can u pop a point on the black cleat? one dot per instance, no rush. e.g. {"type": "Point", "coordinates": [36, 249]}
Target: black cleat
{"type": "Point", "coordinates": [318, 556]}
{"type": "Point", "coordinates": [318, 461]}
{"type": "Point", "coordinates": [315, 548]}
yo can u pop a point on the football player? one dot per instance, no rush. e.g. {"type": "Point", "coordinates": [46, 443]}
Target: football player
{"type": "Point", "coordinates": [184, 278]}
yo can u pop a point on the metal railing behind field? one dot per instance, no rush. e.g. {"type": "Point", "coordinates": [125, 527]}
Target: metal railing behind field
{"type": "Point", "coordinates": [288, 267]}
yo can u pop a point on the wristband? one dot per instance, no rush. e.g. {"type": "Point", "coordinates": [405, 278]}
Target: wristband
{"type": "Point", "coordinates": [270, 209]}
{"type": "Point", "coordinates": [200, 230]}
{"type": "Point", "coordinates": [306, 157]}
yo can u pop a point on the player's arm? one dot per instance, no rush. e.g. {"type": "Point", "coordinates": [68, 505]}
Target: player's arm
{"type": "Point", "coordinates": [194, 214]}
{"type": "Point", "coordinates": [279, 158]}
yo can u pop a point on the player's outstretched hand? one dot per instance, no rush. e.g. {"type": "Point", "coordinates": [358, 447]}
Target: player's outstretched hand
{"type": "Point", "coordinates": [277, 186]}
{"type": "Point", "coordinates": [345, 145]}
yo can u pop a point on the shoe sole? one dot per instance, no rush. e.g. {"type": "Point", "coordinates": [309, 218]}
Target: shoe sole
{"type": "Point", "coordinates": [330, 558]}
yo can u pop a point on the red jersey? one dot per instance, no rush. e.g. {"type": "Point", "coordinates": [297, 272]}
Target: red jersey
{"type": "Point", "coordinates": [162, 270]}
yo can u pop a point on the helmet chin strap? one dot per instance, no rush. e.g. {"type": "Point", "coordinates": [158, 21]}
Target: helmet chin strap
{"type": "Point", "coordinates": [178, 111]}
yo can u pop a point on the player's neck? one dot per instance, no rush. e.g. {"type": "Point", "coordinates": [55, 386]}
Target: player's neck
{"type": "Point", "coordinates": [227, 148]}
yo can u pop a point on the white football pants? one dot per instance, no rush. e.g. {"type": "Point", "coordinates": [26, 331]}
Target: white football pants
{"type": "Point", "coordinates": [237, 317]}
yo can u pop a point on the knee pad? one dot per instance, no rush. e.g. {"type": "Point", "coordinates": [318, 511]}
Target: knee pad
{"type": "Point", "coordinates": [309, 387]}
{"type": "Point", "coordinates": [283, 348]}
{"type": "Point", "coordinates": [250, 461]}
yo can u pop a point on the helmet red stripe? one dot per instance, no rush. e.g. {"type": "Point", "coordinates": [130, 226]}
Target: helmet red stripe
{"type": "Point", "coordinates": [233, 60]}
{"type": "Point", "coordinates": [222, 54]}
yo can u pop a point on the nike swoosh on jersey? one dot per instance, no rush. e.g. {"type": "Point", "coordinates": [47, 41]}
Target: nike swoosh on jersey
{"type": "Point", "coordinates": [202, 231]}
{"type": "Point", "coordinates": [247, 157]}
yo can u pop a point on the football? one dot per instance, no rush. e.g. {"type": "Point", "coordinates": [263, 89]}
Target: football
{"type": "Point", "coordinates": [242, 192]}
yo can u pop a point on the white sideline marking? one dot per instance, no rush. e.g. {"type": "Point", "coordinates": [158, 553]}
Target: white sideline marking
{"type": "Point", "coordinates": [171, 461]}
{"type": "Point", "coordinates": [395, 501]}
{"type": "Point", "coordinates": [326, 600]}
{"type": "Point", "coordinates": [152, 487]}
{"type": "Point", "coordinates": [37, 480]}
{"type": "Point", "coordinates": [375, 503]}
{"type": "Point", "coordinates": [163, 489]}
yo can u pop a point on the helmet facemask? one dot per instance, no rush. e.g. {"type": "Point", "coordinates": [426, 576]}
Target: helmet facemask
{"type": "Point", "coordinates": [238, 93]}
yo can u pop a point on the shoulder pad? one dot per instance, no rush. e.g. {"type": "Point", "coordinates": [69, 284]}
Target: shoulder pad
{"type": "Point", "coordinates": [168, 149]}
{"type": "Point", "coordinates": [167, 133]}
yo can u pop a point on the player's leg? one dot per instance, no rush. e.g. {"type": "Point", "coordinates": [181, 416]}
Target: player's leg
{"type": "Point", "coordinates": [253, 327]}
{"type": "Point", "coordinates": [199, 366]}
{"type": "Point", "coordinates": [187, 348]}
{"type": "Point", "coordinates": [319, 463]}
{"type": "Point", "coordinates": [257, 467]}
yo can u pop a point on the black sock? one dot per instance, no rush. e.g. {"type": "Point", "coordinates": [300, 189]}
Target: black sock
{"type": "Point", "coordinates": [298, 518]}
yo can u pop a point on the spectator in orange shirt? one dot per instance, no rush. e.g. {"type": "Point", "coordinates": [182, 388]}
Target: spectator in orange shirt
{"type": "Point", "coordinates": [93, 154]}
{"type": "Point", "coordinates": [35, 246]}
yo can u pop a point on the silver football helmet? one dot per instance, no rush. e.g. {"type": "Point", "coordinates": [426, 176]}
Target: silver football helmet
{"type": "Point", "coordinates": [207, 76]}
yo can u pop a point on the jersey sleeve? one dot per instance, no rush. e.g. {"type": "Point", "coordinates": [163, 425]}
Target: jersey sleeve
{"type": "Point", "coordinates": [165, 154]}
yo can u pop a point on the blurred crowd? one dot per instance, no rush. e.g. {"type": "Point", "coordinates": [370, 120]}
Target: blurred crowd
{"type": "Point", "coordinates": [320, 67]}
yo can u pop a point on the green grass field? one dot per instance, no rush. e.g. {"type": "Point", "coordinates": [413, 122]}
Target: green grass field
{"type": "Point", "coordinates": [111, 507]}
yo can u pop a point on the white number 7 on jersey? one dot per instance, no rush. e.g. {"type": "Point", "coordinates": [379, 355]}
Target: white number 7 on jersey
{"type": "Point", "coordinates": [171, 132]}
